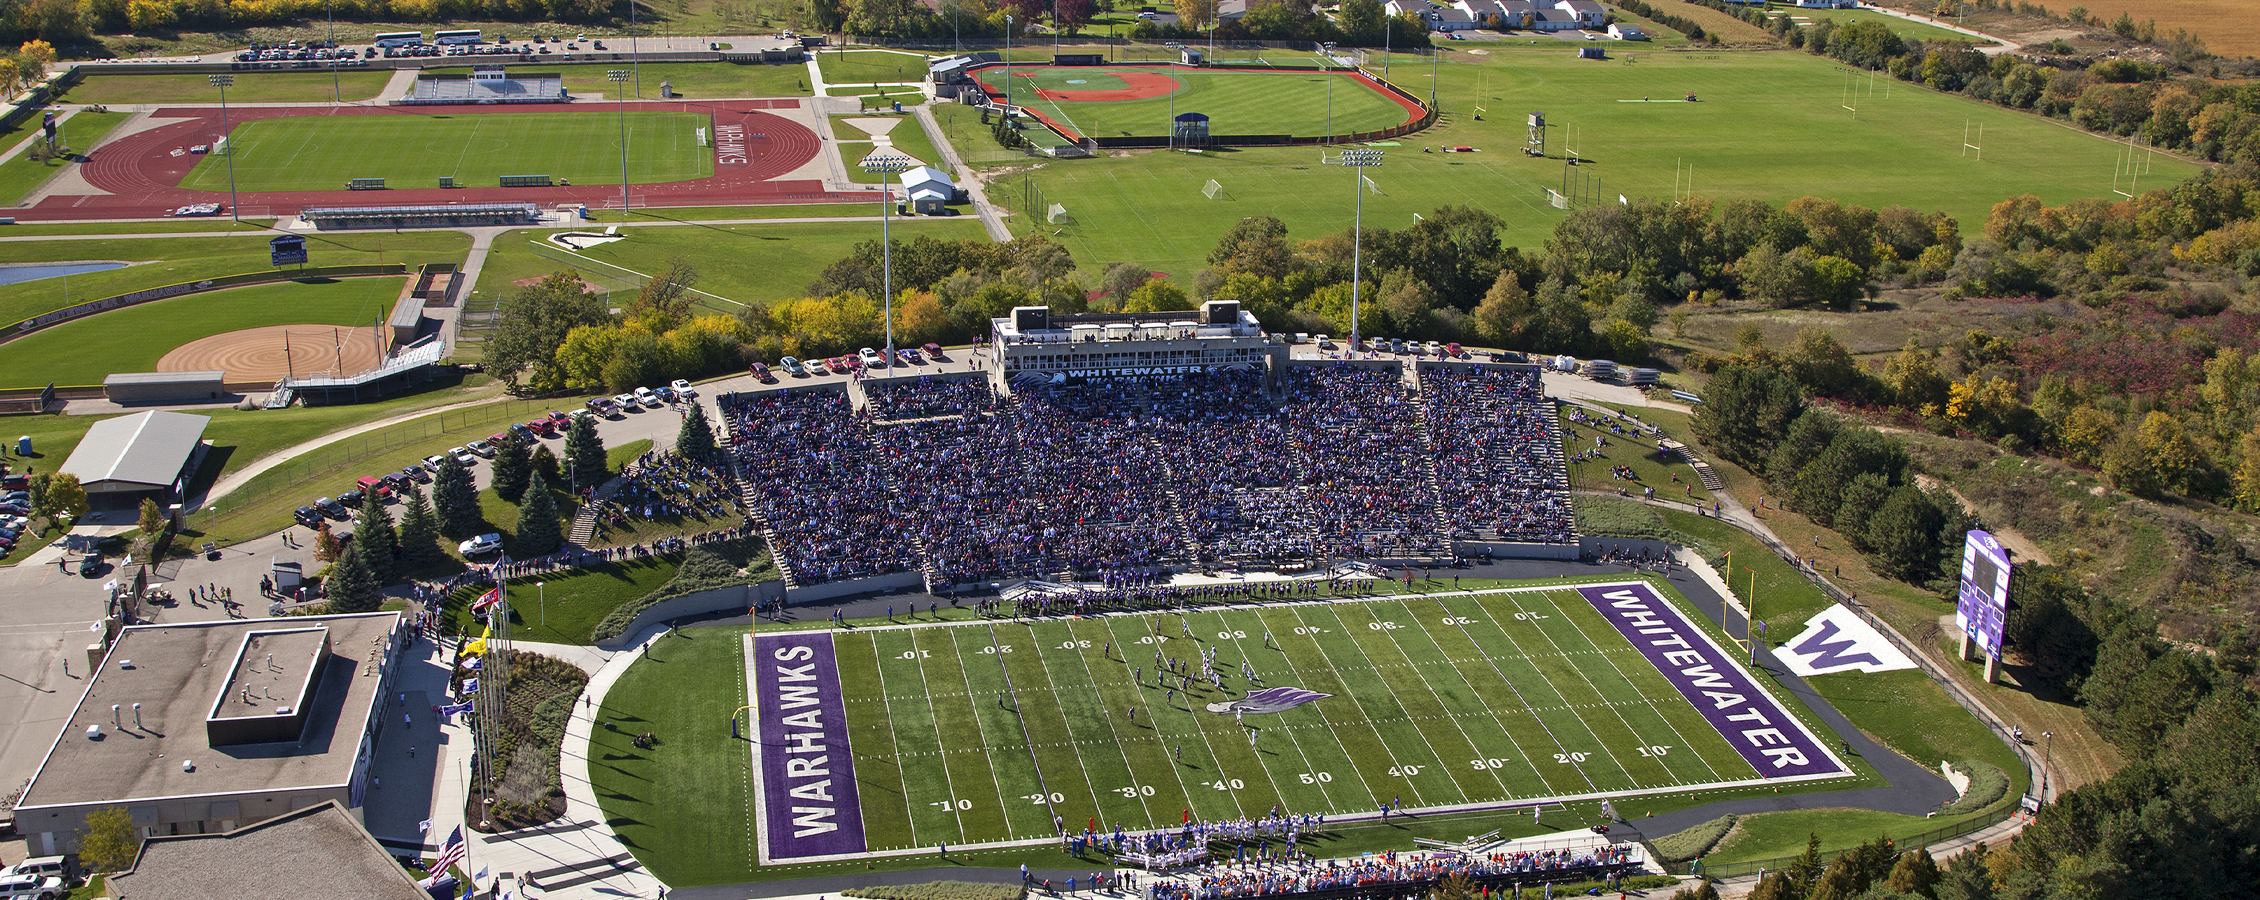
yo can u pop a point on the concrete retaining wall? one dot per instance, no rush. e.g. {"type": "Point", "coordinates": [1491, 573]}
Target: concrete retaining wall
{"type": "Point", "coordinates": [740, 598]}
{"type": "Point", "coordinates": [872, 585]}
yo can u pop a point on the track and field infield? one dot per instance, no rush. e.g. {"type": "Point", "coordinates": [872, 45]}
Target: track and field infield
{"type": "Point", "coordinates": [1004, 732]}
{"type": "Point", "coordinates": [1136, 101]}
{"type": "Point", "coordinates": [315, 153]}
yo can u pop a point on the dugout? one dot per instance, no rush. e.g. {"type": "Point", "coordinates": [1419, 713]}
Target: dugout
{"type": "Point", "coordinates": [145, 388]}
{"type": "Point", "coordinates": [1189, 130]}
{"type": "Point", "coordinates": [407, 319]}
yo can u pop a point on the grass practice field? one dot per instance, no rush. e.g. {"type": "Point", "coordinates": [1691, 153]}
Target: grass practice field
{"type": "Point", "coordinates": [982, 733]}
{"type": "Point", "coordinates": [323, 152]}
{"type": "Point", "coordinates": [1769, 126]}
{"type": "Point", "coordinates": [695, 81]}
{"type": "Point", "coordinates": [1236, 101]}
{"type": "Point", "coordinates": [249, 87]}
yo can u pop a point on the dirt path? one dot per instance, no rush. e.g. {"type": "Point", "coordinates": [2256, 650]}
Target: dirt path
{"type": "Point", "coordinates": [2009, 537]}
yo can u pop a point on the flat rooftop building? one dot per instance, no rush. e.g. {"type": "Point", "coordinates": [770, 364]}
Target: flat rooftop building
{"type": "Point", "coordinates": [200, 727]}
{"type": "Point", "coordinates": [320, 851]}
{"type": "Point", "coordinates": [1033, 345]}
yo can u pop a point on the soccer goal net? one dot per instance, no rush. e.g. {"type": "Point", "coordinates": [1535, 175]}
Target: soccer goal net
{"type": "Point", "coordinates": [1371, 186]}
{"type": "Point", "coordinates": [1214, 190]}
{"type": "Point", "coordinates": [1058, 215]}
{"type": "Point", "coordinates": [1555, 199]}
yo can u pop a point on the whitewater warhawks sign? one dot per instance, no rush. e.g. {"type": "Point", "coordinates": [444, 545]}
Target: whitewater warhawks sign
{"type": "Point", "coordinates": [1752, 721]}
{"type": "Point", "coordinates": [1838, 640]}
{"type": "Point", "coordinates": [729, 145]}
{"type": "Point", "coordinates": [109, 303]}
{"type": "Point", "coordinates": [807, 776]}
{"type": "Point", "coordinates": [1268, 700]}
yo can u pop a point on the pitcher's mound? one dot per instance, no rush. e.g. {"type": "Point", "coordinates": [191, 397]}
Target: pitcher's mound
{"type": "Point", "coordinates": [259, 354]}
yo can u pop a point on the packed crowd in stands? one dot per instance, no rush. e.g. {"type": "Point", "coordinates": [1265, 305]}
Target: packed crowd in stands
{"type": "Point", "coordinates": [808, 465]}
{"type": "Point", "coordinates": [1385, 872]}
{"type": "Point", "coordinates": [946, 476]}
{"type": "Point", "coordinates": [1498, 454]}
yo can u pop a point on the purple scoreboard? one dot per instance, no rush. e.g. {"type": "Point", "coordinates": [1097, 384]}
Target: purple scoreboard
{"type": "Point", "coordinates": [1984, 601]}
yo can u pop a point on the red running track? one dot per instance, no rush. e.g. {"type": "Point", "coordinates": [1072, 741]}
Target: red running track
{"type": "Point", "coordinates": [140, 174]}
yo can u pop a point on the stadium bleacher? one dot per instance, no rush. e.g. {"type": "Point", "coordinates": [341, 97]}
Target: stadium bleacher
{"type": "Point", "coordinates": [438, 216]}
{"type": "Point", "coordinates": [949, 478]}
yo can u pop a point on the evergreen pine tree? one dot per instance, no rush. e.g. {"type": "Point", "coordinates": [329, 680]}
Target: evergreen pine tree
{"type": "Point", "coordinates": [456, 500]}
{"type": "Point", "coordinates": [538, 531]}
{"type": "Point", "coordinates": [512, 462]}
{"type": "Point", "coordinates": [352, 587]}
{"type": "Point", "coordinates": [545, 463]}
{"type": "Point", "coordinates": [419, 532]}
{"type": "Point", "coordinates": [373, 535]}
{"type": "Point", "coordinates": [696, 438]}
{"type": "Point", "coordinates": [584, 456]}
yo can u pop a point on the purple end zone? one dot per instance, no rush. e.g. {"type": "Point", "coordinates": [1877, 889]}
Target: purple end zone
{"type": "Point", "coordinates": [1774, 742]}
{"type": "Point", "coordinates": [809, 800]}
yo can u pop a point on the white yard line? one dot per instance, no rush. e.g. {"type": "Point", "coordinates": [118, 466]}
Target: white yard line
{"type": "Point", "coordinates": [1330, 729]}
{"type": "Point", "coordinates": [1042, 661]}
{"type": "Point", "coordinates": [1027, 740]}
{"type": "Point", "coordinates": [1517, 689]}
{"type": "Point", "coordinates": [1308, 767]}
{"type": "Point", "coordinates": [1682, 736]}
{"type": "Point", "coordinates": [1176, 769]}
{"type": "Point", "coordinates": [1394, 762]}
{"type": "Point", "coordinates": [939, 741]}
{"type": "Point", "coordinates": [1527, 758]}
{"type": "Point", "coordinates": [1597, 692]}
{"type": "Point", "coordinates": [888, 704]}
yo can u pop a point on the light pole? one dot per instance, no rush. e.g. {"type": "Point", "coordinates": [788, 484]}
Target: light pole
{"type": "Point", "coordinates": [541, 595]}
{"type": "Point", "coordinates": [635, 60]}
{"type": "Point", "coordinates": [619, 82]}
{"type": "Point", "coordinates": [1388, 25]}
{"type": "Point", "coordinates": [336, 95]}
{"type": "Point", "coordinates": [227, 147]}
{"type": "Point", "coordinates": [1357, 161]}
{"type": "Point", "coordinates": [1008, 67]}
{"type": "Point", "coordinates": [887, 164]}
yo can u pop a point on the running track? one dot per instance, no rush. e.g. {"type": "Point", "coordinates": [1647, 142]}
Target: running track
{"type": "Point", "coordinates": [140, 174]}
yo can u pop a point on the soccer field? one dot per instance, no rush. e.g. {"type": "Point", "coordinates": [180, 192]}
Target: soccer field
{"type": "Point", "coordinates": [1304, 102]}
{"type": "Point", "coordinates": [320, 153]}
{"type": "Point", "coordinates": [1005, 731]}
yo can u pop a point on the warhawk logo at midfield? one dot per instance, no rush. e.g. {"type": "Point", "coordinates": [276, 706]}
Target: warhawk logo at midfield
{"type": "Point", "coordinates": [1268, 700]}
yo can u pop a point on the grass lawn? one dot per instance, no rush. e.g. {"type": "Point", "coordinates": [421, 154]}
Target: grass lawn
{"type": "Point", "coordinates": [849, 68]}
{"type": "Point", "coordinates": [1776, 835]}
{"type": "Point", "coordinates": [887, 101]}
{"type": "Point", "coordinates": [751, 263]}
{"type": "Point", "coordinates": [700, 213]}
{"type": "Point", "coordinates": [176, 260]}
{"type": "Point", "coordinates": [695, 81]}
{"type": "Point", "coordinates": [617, 459]}
{"type": "Point", "coordinates": [1908, 712]}
{"type": "Point", "coordinates": [1654, 467]}
{"type": "Point", "coordinates": [1237, 102]}
{"type": "Point", "coordinates": [21, 175]}
{"type": "Point", "coordinates": [583, 598]}
{"type": "Point", "coordinates": [249, 87]}
{"type": "Point", "coordinates": [695, 782]}
{"type": "Point", "coordinates": [415, 150]}
{"type": "Point", "coordinates": [1785, 597]}
{"type": "Point", "coordinates": [132, 339]}
{"type": "Point", "coordinates": [1148, 207]}
{"type": "Point", "coordinates": [123, 228]}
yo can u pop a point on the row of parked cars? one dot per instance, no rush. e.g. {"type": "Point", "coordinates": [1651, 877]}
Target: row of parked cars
{"type": "Point", "coordinates": [847, 364]}
{"type": "Point", "coordinates": [638, 400]}
{"type": "Point", "coordinates": [389, 487]}
{"type": "Point", "coordinates": [15, 511]}
{"type": "Point", "coordinates": [39, 878]}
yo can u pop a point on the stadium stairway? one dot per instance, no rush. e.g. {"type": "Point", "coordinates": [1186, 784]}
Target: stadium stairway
{"type": "Point", "coordinates": [1703, 470]}
{"type": "Point", "coordinates": [584, 521]}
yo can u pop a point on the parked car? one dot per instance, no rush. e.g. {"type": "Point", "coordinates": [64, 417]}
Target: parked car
{"type": "Point", "coordinates": [558, 419]}
{"type": "Point", "coordinates": [933, 350]}
{"type": "Point", "coordinates": [684, 388]}
{"type": "Point", "coordinates": [1455, 351]}
{"type": "Point", "coordinates": [1323, 342]}
{"type": "Point", "coordinates": [45, 867]}
{"type": "Point", "coordinates": [416, 473]}
{"type": "Point", "coordinates": [350, 498]}
{"type": "Point", "coordinates": [648, 397]}
{"type": "Point", "coordinates": [524, 432]}
{"type": "Point", "coordinates": [791, 366]}
{"type": "Point", "coordinates": [910, 356]}
{"type": "Point", "coordinates": [463, 455]}
{"type": "Point", "coordinates": [482, 448]}
{"type": "Point", "coordinates": [626, 402]}
{"type": "Point", "coordinates": [330, 508]}
{"type": "Point", "coordinates": [485, 543]}
{"type": "Point", "coordinates": [870, 358]}
{"type": "Point", "coordinates": [34, 887]}
{"type": "Point", "coordinates": [760, 373]}
{"type": "Point", "coordinates": [840, 365]}
{"type": "Point", "coordinates": [433, 461]}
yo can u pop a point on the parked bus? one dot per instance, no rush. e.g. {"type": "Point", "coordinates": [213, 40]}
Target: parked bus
{"type": "Point", "coordinates": [399, 39]}
{"type": "Point", "coordinates": [457, 37]}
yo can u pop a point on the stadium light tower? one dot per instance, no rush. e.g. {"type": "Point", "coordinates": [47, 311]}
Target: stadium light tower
{"type": "Point", "coordinates": [227, 147]}
{"type": "Point", "coordinates": [619, 83]}
{"type": "Point", "coordinates": [1357, 161]}
{"type": "Point", "coordinates": [887, 164]}
{"type": "Point", "coordinates": [1008, 67]}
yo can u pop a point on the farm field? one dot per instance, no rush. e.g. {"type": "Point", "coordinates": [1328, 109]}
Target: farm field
{"type": "Point", "coordinates": [323, 152]}
{"type": "Point", "coordinates": [993, 732]}
{"type": "Point", "coordinates": [1236, 101]}
{"type": "Point", "coordinates": [134, 338]}
{"type": "Point", "coordinates": [1902, 147]}
{"type": "Point", "coordinates": [249, 87]}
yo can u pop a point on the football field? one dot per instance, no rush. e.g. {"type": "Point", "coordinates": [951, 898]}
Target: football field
{"type": "Point", "coordinates": [320, 153]}
{"type": "Point", "coordinates": [1009, 730]}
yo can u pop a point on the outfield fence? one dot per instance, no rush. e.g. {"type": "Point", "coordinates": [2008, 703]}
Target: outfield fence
{"type": "Point", "coordinates": [81, 310]}
{"type": "Point", "coordinates": [267, 494]}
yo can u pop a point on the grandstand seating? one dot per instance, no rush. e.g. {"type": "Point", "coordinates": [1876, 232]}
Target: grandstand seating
{"type": "Point", "coordinates": [946, 477]}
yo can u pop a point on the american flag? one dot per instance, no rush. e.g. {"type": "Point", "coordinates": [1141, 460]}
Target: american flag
{"type": "Point", "coordinates": [490, 598]}
{"type": "Point", "coordinates": [450, 854]}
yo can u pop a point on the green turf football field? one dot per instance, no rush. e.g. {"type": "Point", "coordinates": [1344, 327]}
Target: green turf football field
{"type": "Point", "coordinates": [415, 150]}
{"type": "Point", "coordinates": [1236, 102]}
{"type": "Point", "coordinates": [1438, 702]}
{"type": "Point", "coordinates": [1768, 126]}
